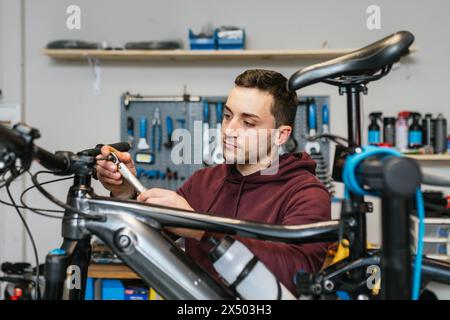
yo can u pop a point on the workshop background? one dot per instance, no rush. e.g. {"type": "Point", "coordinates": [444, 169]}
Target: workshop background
{"type": "Point", "coordinates": [58, 97]}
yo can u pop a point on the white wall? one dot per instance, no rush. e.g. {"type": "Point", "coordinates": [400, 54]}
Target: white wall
{"type": "Point", "coordinates": [12, 235]}
{"type": "Point", "coordinates": [1, 46]}
{"type": "Point", "coordinates": [60, 102]}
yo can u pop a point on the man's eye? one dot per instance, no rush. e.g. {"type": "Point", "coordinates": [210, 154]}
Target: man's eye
{"type": "Point", "coordinates": [248, 124]}
{"type": "Point", "coordinates": [226, 116]}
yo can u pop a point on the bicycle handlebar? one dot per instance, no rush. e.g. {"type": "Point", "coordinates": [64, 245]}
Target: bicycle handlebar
{"type": "Point", "coordinates": [19, 141]}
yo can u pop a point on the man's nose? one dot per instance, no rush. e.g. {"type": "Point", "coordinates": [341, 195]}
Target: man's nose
{"type": "Point", "coordinates": [231, 128]}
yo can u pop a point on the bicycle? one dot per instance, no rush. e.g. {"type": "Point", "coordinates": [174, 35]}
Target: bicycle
{"type": "Point", "coordinates": [134, 231]}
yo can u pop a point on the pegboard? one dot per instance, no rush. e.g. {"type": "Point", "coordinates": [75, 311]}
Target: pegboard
{"type": "Point", "coordinates": [301, 124]}
{"type": "Point", "coordinates": [190, 109]}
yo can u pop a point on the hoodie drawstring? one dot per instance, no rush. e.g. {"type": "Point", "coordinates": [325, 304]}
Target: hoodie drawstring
{"type": "Point", "coordinates": [236, 208]}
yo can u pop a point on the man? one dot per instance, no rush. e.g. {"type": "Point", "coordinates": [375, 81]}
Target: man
{"type": "Point", "coordinates": [239, 189]}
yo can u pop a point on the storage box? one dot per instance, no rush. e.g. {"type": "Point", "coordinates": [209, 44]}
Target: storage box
{"type": "Point", "coordinates": [112, 289]}
{"type": "Point", "coordinates": [199, 42]}
{"type": "Point", "coordinates": [436, 237]}
{"type": "Point", "coordinates": [230, 39]}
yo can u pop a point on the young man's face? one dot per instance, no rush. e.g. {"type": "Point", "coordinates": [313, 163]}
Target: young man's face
{"type": "Point", "coordinates": [248, 126]}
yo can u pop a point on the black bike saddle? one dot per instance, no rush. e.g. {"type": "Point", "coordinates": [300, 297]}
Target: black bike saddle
{"type": "Point", "coordinates": [365, 61]}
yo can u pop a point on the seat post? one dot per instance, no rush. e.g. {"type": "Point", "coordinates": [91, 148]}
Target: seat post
{"type": "Point", "coordinates": [358, 246]}
{"type": "Point", "coordinates": [353, 93]}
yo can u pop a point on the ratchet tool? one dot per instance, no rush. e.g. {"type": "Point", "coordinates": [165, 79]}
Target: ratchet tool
{"type": "Point", "coordinates": [126, 173]}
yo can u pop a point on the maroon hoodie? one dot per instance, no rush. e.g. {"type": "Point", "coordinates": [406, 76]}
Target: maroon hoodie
{"type": "Point", "coordinates": [292, 196]}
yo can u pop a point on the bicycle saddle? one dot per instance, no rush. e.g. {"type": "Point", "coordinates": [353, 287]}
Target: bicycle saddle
{"type": "Point", "coordinates": [365, 61]}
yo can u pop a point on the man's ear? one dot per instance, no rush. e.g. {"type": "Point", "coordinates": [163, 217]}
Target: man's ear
{"type": "Point", "coordinates": [284, 132]}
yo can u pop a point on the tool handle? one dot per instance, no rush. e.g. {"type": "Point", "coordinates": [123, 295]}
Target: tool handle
{"type": "Point", "coordinates": [143, 127]}
{"type": "Point", "coordinates": [219, 111]}
{"type": "Point", "coordinates": [159, 138]}
{"type": "Point", "coordinates": [130, 178]}
{"type": "Point", "coordinates": [130, 125]}
{"type": "Point", "coordinates": [312, 113]}
{"type": "Point", "coordinates": [153, 138]}
{"type": "Point", "coordinates": [205, 111]}
{"type": "Point", "coordinates": [325, 115]}
{"type": "Point", "coordinates": [169, 125]}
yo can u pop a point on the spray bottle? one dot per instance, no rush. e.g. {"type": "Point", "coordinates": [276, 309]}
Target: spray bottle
{"type": "Point", "coordinates": [401, 131]}
{"type": "Point", "coordinates": [415, 131]}
{"type": "Point", "coordinates": [374, 137]}
{"type": "Point", "coordinates": [244, 273]}
{"type": "Point", "coordinates": [389, 130]}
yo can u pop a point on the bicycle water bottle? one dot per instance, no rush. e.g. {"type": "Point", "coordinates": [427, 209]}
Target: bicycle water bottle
{"type": "Point", "coordinates": [244, 273]}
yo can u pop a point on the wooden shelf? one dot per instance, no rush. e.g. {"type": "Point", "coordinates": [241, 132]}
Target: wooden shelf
{"type": "Point", "coordinates": [132, 55]}
{"type": "Point", "coordinates": [111, 271]}
{"type": "Point", "coordinates": [429, 157]}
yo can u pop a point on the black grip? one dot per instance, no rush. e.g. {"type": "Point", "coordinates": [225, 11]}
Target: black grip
{"type": "Point", "coordinates": [120, 146]}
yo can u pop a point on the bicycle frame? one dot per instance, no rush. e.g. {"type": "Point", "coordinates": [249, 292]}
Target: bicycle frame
{"type": "Point", "coordinates": [134, 232]}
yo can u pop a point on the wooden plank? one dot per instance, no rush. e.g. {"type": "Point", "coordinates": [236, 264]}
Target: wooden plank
{"type": "Point", "coordinates": [429, 157]}
{"type": "Point", "coordinates": [69, 54]}
{"type": "Point", "coordinates": [111, 271]}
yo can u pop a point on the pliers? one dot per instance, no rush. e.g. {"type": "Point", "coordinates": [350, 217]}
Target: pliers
{"type": "Point", "coordinates": [156, 130]}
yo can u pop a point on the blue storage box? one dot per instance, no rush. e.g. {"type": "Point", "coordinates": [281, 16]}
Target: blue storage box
{"type": "Point", "coordinates": [89, 293]}
{"type": "Point", "coordinates": [112, 289]}
{"type": "Point", "coordinates": [230, 39]}
{"type": "Point", "coordinates": [202, 43]}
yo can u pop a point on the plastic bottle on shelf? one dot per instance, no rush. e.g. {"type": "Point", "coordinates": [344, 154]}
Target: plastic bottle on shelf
{"type": "Point", "coordinates": [401, 131]}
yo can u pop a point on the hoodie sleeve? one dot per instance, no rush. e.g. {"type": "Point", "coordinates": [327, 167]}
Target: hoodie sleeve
{"type": "Point", "coordinates": [185, 189]}
{"type": "Point", "coordinates": [311, 205]}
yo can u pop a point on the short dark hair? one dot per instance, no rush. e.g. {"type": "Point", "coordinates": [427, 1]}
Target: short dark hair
{"type": "Point", "coordinates": [285, 103]}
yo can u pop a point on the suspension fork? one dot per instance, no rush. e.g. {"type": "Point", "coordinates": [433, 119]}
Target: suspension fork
{"type": "Point", "coordinates": [66, 270]}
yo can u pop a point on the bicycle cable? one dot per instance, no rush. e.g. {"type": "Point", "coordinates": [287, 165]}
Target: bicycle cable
{"type": "Point", "coordinates": [56, 201]}
{"type": "Point", "coordinates": [33, 243]}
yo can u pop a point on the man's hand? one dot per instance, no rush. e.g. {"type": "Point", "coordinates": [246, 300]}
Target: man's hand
{"type": "Point", "coordinates": [170, 198]}
{"type": "Point", "coordinates": [109, 176]}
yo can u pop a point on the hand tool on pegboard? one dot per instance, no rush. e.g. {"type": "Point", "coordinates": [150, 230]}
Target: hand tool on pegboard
{"type": "Point", "coordinates": [169, 128]}
{"type": "Point", "coordinates": [217, 155]}
{"type": "Point", "coordinates": [206, 137]}
{"type": "Point", "coordinates": [130, 131]}
{"type": "Point", "coordinates": [313, 146]}
{"type": "Point", "coordinates": [156, 132]}
{"type": "Point", "coordinates": [143, 153]}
